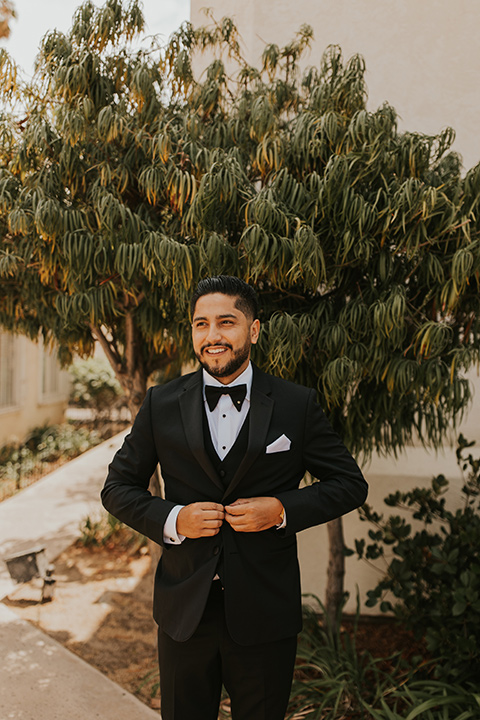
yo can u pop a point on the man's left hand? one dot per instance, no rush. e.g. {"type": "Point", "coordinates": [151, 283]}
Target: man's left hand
{"type": "Point", "coordinates": [254, 514]}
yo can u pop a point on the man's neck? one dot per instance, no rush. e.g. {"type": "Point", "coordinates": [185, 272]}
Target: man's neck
{"type": "Point", "coordinates": [244, 377]}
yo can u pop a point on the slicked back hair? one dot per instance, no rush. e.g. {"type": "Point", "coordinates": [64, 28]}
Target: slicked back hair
{"type": "Point", "coordinates": [246, 297]}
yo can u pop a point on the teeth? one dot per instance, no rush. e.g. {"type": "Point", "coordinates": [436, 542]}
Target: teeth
{"type": "Point", "coordinates": [215, 351]}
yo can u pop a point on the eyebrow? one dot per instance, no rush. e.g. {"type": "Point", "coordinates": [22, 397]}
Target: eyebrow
{"type": "Point", "coordinates": [217, 317]}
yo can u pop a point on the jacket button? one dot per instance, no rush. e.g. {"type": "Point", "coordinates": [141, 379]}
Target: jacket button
{"type": "Point", "coordinates": [222, 473]}
{"type": "Point", "coordinates": [216, 550]}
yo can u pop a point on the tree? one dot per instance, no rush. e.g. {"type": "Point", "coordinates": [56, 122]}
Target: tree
{"type": "Point", "coordinates": [128, 179]}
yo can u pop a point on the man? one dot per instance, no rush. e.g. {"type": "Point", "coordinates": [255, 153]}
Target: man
{"type": "Point", "coordinates": [227, 588]}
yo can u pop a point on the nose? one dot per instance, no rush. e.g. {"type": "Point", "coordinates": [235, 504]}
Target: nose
{"type": "Point", "coordinates": [214, 334]}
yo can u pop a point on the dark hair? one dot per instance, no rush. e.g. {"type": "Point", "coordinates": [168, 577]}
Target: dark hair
{"type": "Point", "coordinates": [246, 296]}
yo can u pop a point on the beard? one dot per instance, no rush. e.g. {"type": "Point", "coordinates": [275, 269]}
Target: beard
{"type": "Point", "coordinates": [240, 356]}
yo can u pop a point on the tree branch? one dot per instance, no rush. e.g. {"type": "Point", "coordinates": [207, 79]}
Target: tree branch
{"type": "Point", "coordinates": [112, 355]}
{"type": "Point", "coordinates": [160, 361]}
{"type": "Point", "coordinates": [130, 343]}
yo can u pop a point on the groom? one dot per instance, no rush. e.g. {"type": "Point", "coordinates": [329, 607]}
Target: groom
{"type": "Point", "coordinates": [233, 445]}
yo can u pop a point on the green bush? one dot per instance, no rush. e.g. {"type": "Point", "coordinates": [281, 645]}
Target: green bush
{"type": "Point", "coordinates": [95, 386]}
{"type": "Point", "coordinates": [49, 443]}
{"type": "Point", "coordinates": [16, 462]}
{"type": "Point", "coordinates": [333, 680]}
{"type": "Point", "coordinates": [44, 445]}
{"type": "Point", "coordinates": [106, 530]}
{"type": "Point", "coordinates": [434, 573]}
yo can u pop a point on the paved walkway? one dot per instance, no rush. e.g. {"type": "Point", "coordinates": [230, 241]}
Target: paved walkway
{"type": "Point", "coordinates": [40, 679]}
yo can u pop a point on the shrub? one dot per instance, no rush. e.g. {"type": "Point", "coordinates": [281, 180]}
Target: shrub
{"type": "Point", "coordinates": [44, 445]}
{"type": "Point", "coordinates": [434, 573]}
{"type": "Point", "coordinates": [95, 386]}
{"type": "Point", "coordinates": [334, 681]}
{"type": "Point", "coordinates": [49, 443]}
{"type": "Point", "coordinates": [106, 530]}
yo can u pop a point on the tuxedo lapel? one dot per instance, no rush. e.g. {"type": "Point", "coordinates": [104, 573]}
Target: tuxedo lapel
{"type": "Point", "coordinates": [191, 409]}
{"type": "Point", "coordinates": [261, 408]}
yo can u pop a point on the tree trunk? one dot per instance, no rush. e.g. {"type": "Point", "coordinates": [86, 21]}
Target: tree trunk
{"type": "Point", "coordinates": [336, 569]}
{"type": "Point", "coordinates": [134, 403]}
{"type": "Point", "coordinates": [132, 376]}
{"type": "Point", "coordinates": [137, 389]}
{"type": "Point", "coordinates": [137, 386]}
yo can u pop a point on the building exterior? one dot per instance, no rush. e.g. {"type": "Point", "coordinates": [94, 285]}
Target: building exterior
{"type": "Point", "coordinates": [33, 388]}
{"type": "Point", "coordinates": [421, 57]}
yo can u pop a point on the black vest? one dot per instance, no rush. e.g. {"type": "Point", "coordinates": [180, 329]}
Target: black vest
{"type": "Point", "coordinates": [227, 467]}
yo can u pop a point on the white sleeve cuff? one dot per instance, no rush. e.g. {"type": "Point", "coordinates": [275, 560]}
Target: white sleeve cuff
{"type": "Point", "coordinates": [170, 535]}
{"type": "Point", "coordinates": [284, 521]}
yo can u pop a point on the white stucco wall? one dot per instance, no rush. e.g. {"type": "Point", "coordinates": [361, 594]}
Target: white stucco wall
{"type": "Point", "coordinates": [422, 56]}
{"type": "Point", "coordinates": [33, 404]}
{"type": "Point", "coordinates": [413, 468]}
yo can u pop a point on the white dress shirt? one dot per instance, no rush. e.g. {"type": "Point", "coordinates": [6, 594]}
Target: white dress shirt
{"type": "Point", "coordinates": [224, 423]}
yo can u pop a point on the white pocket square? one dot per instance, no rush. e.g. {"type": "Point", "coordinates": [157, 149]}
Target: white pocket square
{"type": "Point", "coordinates": [281, 444]}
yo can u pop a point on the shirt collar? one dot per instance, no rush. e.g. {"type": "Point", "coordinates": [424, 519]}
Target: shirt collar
{"type": "Point", "coordinates": [245, 378]}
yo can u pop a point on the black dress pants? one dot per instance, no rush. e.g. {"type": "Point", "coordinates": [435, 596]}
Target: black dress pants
{"type": "Point", "coordinates": [257, 678]}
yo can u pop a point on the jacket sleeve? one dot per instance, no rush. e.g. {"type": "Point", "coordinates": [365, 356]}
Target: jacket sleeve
{"type": "Point", "coordinates": [339, 486]}
{"type": "Point", "coordinates": [125, 493]}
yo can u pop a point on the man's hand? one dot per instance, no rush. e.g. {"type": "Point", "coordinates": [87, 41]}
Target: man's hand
{"type": "Point", "coordinates": [200, 519]}
{"type": "Point", "coordinates": [254, 514]}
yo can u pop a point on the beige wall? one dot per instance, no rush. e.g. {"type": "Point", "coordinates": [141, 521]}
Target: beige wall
{"type": "Point", "coordinates": [414, 468]}
{"type": "Point", "coordinates": [39, 390]}
{"type": "Point", "coordinates": [422, 56]}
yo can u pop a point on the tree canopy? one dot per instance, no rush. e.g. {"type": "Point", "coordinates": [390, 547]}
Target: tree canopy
{"type": "Point", "coordinates": [125, 179]}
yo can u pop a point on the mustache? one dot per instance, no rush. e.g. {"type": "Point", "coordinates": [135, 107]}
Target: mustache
{"type": "Point", "coordinates": [208, 345]}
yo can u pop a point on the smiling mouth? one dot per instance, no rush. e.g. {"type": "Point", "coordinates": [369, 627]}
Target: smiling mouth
{"type": "Point", "coordinates": [216, 350]}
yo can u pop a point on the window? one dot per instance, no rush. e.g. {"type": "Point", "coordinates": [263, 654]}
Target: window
{"type": "Point", "coordinates": [53, 380]}
{"type": "Point", "coordinates": [8, 367]}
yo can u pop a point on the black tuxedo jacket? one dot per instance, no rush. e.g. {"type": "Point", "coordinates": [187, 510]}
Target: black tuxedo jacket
{"type": "Point", "coordinates": [260, 570]}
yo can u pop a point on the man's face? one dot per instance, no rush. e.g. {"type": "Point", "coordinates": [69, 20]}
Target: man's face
{"type": "Point", "coordinates": [222, 336]}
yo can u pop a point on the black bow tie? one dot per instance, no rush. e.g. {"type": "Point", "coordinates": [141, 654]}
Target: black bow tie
{"type": "Point", "coordinates": [237, 393]}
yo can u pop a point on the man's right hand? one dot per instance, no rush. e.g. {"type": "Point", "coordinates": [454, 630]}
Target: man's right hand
{"type": "Point", "coordinates": [200, 519]}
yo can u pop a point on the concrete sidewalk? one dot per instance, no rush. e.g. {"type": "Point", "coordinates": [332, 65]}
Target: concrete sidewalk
{"type": "Point", "coordinates": [41, 680]}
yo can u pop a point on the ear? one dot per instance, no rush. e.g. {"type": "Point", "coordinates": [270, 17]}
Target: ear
{"type": "Point", "coordinates": [254, 331]}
